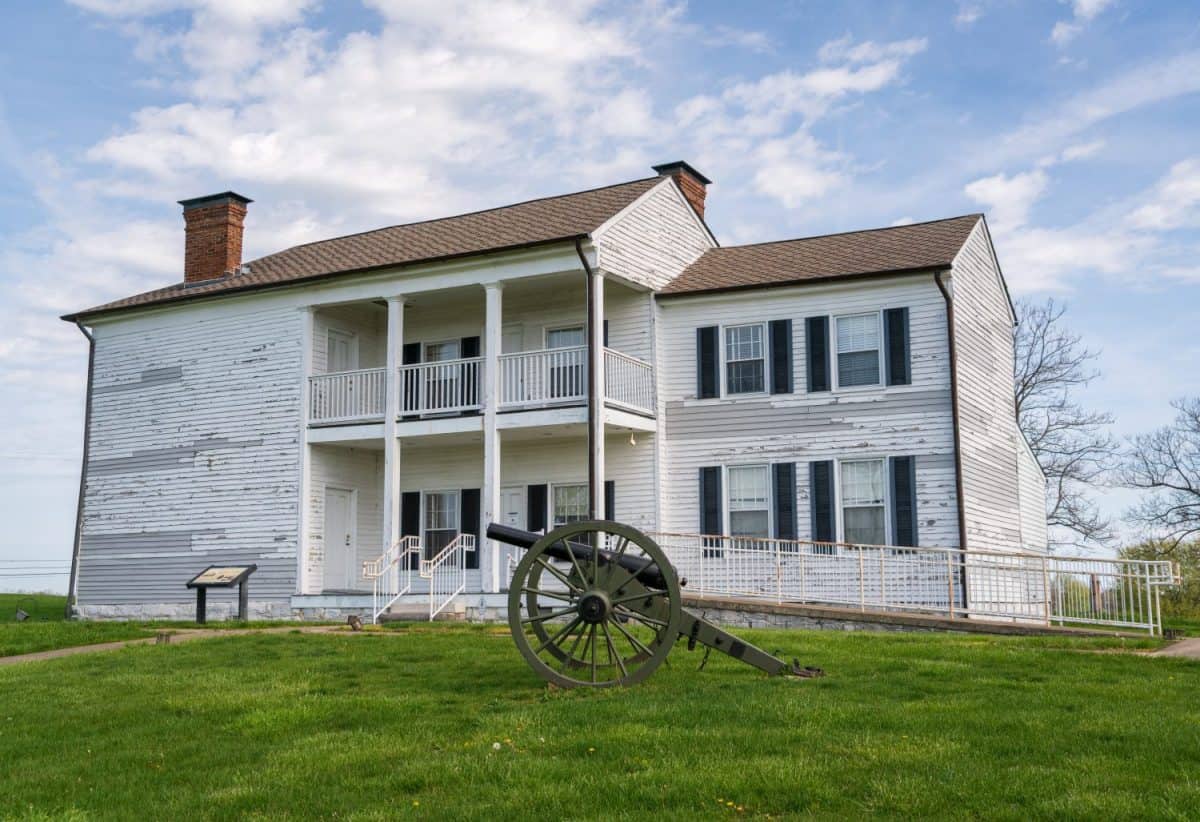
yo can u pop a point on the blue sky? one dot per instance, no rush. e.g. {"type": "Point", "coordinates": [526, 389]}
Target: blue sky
{"type": "Point", "coordinates": [1074, 125]}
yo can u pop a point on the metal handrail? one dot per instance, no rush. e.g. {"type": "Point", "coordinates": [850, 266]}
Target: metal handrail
{"type": "Point", "coordinates": [447, 573]}
{"type": "Point", "coordinates": [386, 570]}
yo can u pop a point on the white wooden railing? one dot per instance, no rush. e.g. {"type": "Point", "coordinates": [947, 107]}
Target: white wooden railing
{"type": "Point", "coordinates": [1024, 587]}
{"type": "Point", "coordinates": [447, 572]}
{"type": "Point", "coordinates": [441, 387]}
{"type": "Point", "coordinates": [547, 377]}
{"type": "Point", "coordinates": [392, 573]}
{"type": "Point", "coordinates": [628, 381]}
{"type": "Point", "coordinates": [347, 395]}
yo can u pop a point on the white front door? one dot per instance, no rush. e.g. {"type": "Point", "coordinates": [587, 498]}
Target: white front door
{"type": "Point", "coordinates": [512, 513]}
{"type": "Point", "coordinates": [341, 351]}
{"type": "Point", "coordinates": [339, 540]}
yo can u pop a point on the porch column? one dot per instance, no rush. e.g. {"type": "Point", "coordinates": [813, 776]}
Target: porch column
{"type": "Point", "coordinates": [494, 293]}
{"type": "Point", "coordinates": [391, 405]}
{"type": "Point", "coordinates": [596, 394]}
{"type": "Point", "coordinates": [304, 491]}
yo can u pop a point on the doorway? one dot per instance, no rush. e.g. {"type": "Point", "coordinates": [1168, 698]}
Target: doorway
{"type": "Point", "coordinates": [340, 539]}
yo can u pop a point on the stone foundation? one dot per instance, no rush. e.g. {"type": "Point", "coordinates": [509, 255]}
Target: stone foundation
{"type": "Point", "coordinates": [185, 611]}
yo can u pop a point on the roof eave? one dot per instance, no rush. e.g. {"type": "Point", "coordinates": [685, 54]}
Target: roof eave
{"type": "Point", "coordinates": [862, 275]}
{"type": "Point", "coordinates": [80, 316]}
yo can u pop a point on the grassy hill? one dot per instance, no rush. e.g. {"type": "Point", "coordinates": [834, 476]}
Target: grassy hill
{"type": "Point", "coordinates": [434, 721]}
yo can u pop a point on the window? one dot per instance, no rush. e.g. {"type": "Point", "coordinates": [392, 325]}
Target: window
{"type": "Point", "coordinates": [749, 501]}
{"type": "Point", "coordinates": [443, 383]}
{"type": "Point", "coordinates": [745, 365]}
{"type": "Point", "coordinates": [441, 521]}
{"type": "Point", "coordinates": [858, 350]}
{"type": "Point", "coordinates": [341, 351]}
{"type": "Point", "coordinates": [863, 520]}
{"type": "Point", "coordinates": [564, 337]}
{"type": "Point", "coordinates": [441, 351]}
{"type": "Point", "coordinates": [570, 504]}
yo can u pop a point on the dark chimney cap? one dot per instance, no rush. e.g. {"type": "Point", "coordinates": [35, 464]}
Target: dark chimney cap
{"type": "Point", "coordinates": [215, 199]}
{"type": "Point", "coordinates": [667, 169]}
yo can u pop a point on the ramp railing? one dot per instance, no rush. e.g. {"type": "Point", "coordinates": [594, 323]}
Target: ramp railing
{"type": "Point", "coordinates": [447, 572]}
{"type": "Point", "coordinates": [1022, 587]}
{"type": "Point", "coordinates": [392, 573]}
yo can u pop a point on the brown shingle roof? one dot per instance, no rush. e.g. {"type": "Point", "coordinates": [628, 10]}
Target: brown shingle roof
{"type": "Point", "coordinates": [921, 246]}
{"type": "Point", "coordinates": [530, 223]}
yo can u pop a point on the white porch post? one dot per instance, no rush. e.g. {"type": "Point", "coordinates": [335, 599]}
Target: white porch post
{"type": "Point", "coordinates": [596, 392]}
{"type": "Point", "coordinates": [305, 484]}
{"type": "Point", "coordinates": [494, 293]}
{"type": "Point", "coordinates": [391, 445]}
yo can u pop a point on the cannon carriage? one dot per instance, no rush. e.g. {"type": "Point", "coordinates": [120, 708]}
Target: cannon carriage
{"type": "Point", "coordinates": [598, 603]}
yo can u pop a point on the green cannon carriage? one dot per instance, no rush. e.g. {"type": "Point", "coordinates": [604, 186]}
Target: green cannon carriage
{"type": "Point", "coordinates": [597, 603]}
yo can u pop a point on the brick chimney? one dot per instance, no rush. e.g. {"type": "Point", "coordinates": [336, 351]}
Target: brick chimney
{"type": "Point", "coordinates": [212, 235]}
{"type": "Point", "coordinates": [692, 183]}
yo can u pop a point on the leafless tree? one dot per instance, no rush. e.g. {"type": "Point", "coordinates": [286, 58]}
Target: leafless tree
{"type": "Point", "coordinates": [1071, 443]}
{"type": "Point", "coordinates": [1166, 463]}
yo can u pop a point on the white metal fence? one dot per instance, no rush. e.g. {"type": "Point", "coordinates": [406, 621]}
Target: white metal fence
{"type": "Point", "coordinates": [347, 395]}
{"type": "Point", "coordinates": [976, 584]}
{"type": "Point", "coordinates": [628, 381]}
{"type": "Point", "coordinates": [392, 573]}
{"type": "Point", "coordinates": [447, 572]}
{"type": "Point", "coordinates": [441, 387]}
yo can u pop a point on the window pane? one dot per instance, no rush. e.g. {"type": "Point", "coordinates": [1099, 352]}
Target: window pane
{"type": "Point", "coordinates": [744, 377]}
{"type": "Point", "coordinates": [749, 524]}
{"type": "Point", "coordinates": [864, 526]}
{"type": "Point", "coordinates": [565, 337]}
{"type": "Point", "coordinates": [747, 487]}
{"type": "Point", "coordinates": [862, 482]}
{"type": "Point", "coordinates": [858, 368]}
{"type": "Point", "coordinates": [570, 503]}
{"type": "Point", "coordinates": [743, 342]}
{"type": "Point", "coordinates": [858, 333]}
{"type": "Point", "coordinates": [441, 510]}
{"type": "Point", "coordinates": [439, 352]}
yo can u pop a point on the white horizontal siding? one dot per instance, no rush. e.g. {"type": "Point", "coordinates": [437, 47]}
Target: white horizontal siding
{"type": "Point", "coordinates": [654, 240]}
{"type": "Point", "coordinates": [1033, 499]}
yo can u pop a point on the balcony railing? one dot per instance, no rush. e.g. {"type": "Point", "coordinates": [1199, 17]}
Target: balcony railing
{"type": "Point", "coordinates": [441, 387]}
{"type": "Point", "coordinates": [548, 377]}
{"type": "Point", "coordinates": [628, 381]}
{"type": "Point", "coordinates": [528, 379]}
{"type": "Point", "coordinates": [347, 396]}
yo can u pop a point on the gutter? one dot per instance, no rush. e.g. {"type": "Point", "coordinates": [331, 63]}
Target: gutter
{"type": "Point", "coordinates": [593, 392]}
{"type": "Point", "coordinates": [954, 413]}
{"type": "Point", "coordinates": [87, 442]}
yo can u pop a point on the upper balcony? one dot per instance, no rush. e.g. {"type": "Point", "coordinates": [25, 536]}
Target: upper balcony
{"type": "Point", "coordinates": [542, 361]}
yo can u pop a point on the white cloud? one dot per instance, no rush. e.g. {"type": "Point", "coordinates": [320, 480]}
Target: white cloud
{"type": "Point", "coordinates": [1008, 199]}
{"type": "Point", "coordinates": [1174, 202]}
{"type": "Point", "coordinates": [1082, 13]}
{"type": "Point", "coordinates": [796, 170]}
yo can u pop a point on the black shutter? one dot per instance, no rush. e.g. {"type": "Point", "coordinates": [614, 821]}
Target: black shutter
{"type": "Point", "coordinates": [708, 363]}
{"type": "Point", "coordinates": [410, 517]}
{"type": "Point", "coordinates": [820, 497]}
{"type": "Point", "coordinates": [535, 499]}
{"type": "Point", "coordinates": [470, 374]}
{"type": "Point", "coordinates": [610, 499]}
{"type": "Point", "coordinates": [469, 522]}
{"type": "Point", "coordinates": [816, 346]}
{"type": "Point", "coordinates": [410, 391]}
{"type": "Point", "coordinates": [710, 509]}
{"type": "Point", "coordinates": [781, 356]}
{"type": "Point", "coordinates": [606, 333]}
{"type": "Point", "coordinates": [903, 471]}
{"type": "Point", "coordinates": [895, 331]}
{"type": "Point", "coordinates": [785, 499]}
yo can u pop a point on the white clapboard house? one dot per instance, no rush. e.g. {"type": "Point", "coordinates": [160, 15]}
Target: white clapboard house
{"type": "Point", "coordinates": [349, 414]}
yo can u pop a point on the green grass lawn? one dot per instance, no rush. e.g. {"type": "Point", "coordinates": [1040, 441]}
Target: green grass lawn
{"type": "Point", "coordinates": [449, 722]}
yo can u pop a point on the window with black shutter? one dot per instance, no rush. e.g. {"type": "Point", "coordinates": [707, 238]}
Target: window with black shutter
{"type": "Point", "coordinates": [895, 332]}
{"type": "Point", "coordinates": [821, 505]}
{"type": "Point", "coordinates": [784, 479]}
{"type": "Point", "coordinates": [470, 523]}
{"type": "Point", "coordinates": [903, 476]}
{"type": "Point", "coordinates": [711, 524]}
{"type": "Point", "coordinates": [816, 348]}
{"type": "Point", "coordinates": [708, 364]}
{"type": "Point", "coordinates": [535, 497]}
{"type": "Point", "coordinates": [781, 356]}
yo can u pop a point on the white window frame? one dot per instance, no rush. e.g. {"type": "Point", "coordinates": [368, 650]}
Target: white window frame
{"type": "Point", "coordinates": [551, 515]}
{"type": "Point", "coordinates": [425, 349]}
{"type": "Point", "coordinates": [766, 358]}
{"type": "Point", "coordinates": [547, 330]}
{"type": "Point", "coordinates": [424, 510]}
{"type": "Point", "coordinates": [833, 346]}
{"type": "Point", "coordinates": [887, 496]}
{"type": "Point", "coordinates": [726, 507]}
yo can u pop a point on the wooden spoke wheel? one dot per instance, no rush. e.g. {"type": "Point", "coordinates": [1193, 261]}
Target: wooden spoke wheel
{"type": "Point", "coordinates": [594, 604]}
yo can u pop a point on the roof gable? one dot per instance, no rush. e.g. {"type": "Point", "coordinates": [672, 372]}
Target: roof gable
{"type": "Point", "coordinates": [916, 247]}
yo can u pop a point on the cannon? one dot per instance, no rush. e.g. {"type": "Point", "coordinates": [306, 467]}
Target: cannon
{"type": "Point", "coordinates": [597, 603]}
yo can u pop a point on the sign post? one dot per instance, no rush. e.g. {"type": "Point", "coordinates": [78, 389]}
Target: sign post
{"type": "Point", "coordinates": [222, 576]}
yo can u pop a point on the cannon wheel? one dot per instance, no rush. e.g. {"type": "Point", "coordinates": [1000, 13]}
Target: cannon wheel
{"type": "Point", "coordinates": [590, 622]}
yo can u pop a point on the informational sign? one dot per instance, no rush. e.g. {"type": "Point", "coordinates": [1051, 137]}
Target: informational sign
{"type": "Point", "coordinates": [221, 576]}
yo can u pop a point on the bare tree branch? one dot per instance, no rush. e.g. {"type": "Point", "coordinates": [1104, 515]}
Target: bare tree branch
{"type": "Point", "coordinates": [1070, 442]}
{"type": "Point", "coordinates": [1166, 463]}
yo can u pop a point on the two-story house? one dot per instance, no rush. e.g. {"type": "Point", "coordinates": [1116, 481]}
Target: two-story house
{"type": "Point", "coordinates": [347, 410]}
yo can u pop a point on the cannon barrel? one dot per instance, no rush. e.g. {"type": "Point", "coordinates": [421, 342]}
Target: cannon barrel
{"type": "Point", "coordinates": [649, 575]}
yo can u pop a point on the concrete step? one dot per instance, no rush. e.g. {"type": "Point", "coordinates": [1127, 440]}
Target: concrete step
{"type": "Point", "coordinates": [419, 612]}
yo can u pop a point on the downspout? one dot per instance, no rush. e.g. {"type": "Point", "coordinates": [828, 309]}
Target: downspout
{"type": "Point", "coordinates": [87, 441]}
{"type": "Point", "coordinates": [954, 415]}
{"type": "Point", "coordinates": [593, 392]}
